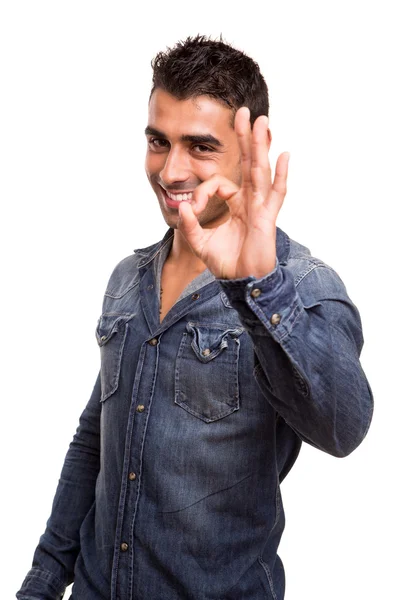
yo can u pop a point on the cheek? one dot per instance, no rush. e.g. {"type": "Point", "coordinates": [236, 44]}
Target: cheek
{"type": "Point", "coordinates": [233, 172]}
{"type": "Point", "coordinates": [205, 170]}
{"type": "Point", "coordinates": [153, 164]}
{"type": "Point", "coordinates": [147, 166]}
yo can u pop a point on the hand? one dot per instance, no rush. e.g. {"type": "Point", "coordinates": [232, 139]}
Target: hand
{"type": "Point", "coordinates": [244, 244]}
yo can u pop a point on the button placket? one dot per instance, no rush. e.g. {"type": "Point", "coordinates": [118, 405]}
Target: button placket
{"type": "Point", "coordinates": [140, 407]}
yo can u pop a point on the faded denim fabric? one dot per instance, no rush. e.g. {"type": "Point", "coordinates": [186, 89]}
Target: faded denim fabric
{"type": "Point", "coordinates": [170, 489]}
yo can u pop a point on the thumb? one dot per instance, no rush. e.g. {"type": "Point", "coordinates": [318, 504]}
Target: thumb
{"type": "Point", "coordinates": [190, 228]}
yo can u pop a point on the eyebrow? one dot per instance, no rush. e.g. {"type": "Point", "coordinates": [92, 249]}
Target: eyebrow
{"type": "Point", "coordinates": [194, 139]}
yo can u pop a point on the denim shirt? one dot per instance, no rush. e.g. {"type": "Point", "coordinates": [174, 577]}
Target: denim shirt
{"type": "Point", "coordinates": [171, 486]}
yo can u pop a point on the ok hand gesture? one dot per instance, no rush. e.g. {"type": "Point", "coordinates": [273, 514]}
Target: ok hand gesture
{"type": "Point", "coordinates": [244, 244]}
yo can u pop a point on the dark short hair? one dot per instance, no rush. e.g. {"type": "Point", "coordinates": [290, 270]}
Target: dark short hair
{"type": "Point", "coordinates": [202, 66]}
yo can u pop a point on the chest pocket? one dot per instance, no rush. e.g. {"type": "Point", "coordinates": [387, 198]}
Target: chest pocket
{"type": "Point", "coordinates": [207, 367]}
{"type": "Point", "coordinates": [110, 334]}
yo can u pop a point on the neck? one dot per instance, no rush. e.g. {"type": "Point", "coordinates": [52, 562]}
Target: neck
{"type": "Point", "coordinates": [181, 254]}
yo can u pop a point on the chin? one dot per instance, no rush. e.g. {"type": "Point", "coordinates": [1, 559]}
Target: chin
{"type": "Point", "coordinates": [170, 220]}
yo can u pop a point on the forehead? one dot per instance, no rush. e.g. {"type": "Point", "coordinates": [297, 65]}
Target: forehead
{"type": "Point", "coordinates": [192, 116]}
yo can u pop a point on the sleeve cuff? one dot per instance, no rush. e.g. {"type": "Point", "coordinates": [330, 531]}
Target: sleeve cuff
{"type": "Point", "coordinates": [271, 300]}
{"type": "Point", "coordinates": [41, 584]}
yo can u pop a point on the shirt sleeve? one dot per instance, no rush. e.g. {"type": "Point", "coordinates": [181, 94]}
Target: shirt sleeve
{"type": "Point", "coordinates": [54, 559]}
{"type": "Point", "coordinates": [307, 338]}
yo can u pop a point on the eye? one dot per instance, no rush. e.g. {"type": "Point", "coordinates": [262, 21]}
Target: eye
{"type": "Point", "coordinates": [158, 143]}
{"type": "Point", "coordinates": [202, 149]}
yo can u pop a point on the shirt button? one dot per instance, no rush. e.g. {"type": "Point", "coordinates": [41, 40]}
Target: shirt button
{"type": "Point", "coordinates": [195, 296]}
{"type": "Point", "coordinates": [153, 342]}
{"type": "Point", "coordinates": [124, 547]}
{"type": "Point", "coordinates": [206, 352]}
{"type": "Point", "coordinates": [255, 293]}
{"type": "Point", "coordinates": [140, 408]}
{"type": "Point", "coordinates": [275, 319]}
{"type": "Point", "coordinates": [103, 337]}
{"type": "Point", "coordinates": [132, 476]}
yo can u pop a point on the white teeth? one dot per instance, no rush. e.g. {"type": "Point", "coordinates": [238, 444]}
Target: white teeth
{"type": "Point", "coordinates": [179, 197]}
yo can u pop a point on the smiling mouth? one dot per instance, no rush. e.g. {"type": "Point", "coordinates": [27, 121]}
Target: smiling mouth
{"type": "Point", "coordinates": [186, 197]}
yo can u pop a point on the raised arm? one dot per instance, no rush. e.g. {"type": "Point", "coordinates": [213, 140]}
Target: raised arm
{"type": "Point", "coordinates": [306, 332]}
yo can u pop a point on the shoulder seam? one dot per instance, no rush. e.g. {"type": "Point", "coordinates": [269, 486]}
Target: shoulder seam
{"type": "Point", "coordinates": [313, 264]}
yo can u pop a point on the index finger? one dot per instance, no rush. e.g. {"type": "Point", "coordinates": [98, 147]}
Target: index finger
{"type": "Point", "coordinates": [243, 132]}
{"type": "Point", "coordinates": [260, 165]}
{"type": "Point", "coordinates": [217, 185]}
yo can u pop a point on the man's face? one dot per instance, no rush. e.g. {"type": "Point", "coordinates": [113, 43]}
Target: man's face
{"type": "Point", "coordinates": [188, 141]}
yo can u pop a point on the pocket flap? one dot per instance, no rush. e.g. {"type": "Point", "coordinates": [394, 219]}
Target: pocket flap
{"type": "Point", "coordinates": [209, 340]}
{"type": "Point", "coordinates": [108, 325]}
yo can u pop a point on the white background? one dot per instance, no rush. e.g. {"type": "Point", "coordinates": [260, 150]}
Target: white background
{"type": "Point", "coordinates": [75, 78]}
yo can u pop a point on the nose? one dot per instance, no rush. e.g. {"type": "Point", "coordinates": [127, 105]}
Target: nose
{"type": "Point", "coordinates": [176, 168]}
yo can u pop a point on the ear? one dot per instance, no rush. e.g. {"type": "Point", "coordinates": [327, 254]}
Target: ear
{"type": "Point", "coordinates": [269, 140]}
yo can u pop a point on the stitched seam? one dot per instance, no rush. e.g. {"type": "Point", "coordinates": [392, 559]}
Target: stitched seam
{"type": "Point", "coordinates": [156, 253]}
{"type": "Point", "coordinates": [308, 258]}
{"type": "Point", "coordinates": [200, 416]}
{"type": "Point", "coordinates": [116, 374]}
{"type": "Point", "coordinates": [124, 487]}
{"type": "Point", "coordinates": [117, 296]}
{"type": "Point", "coordinates": [278, 509]}
{"type": "Point", "coordinates": [51, 579]}
{"type": "Point", "coordinates": [304, 274]}
{"type": "Point", "coordinates": [269, 577]}
{"type": "Point", "coordinates": [140, 478]}
{"type": "Point", "coordinates": [313, 266]}
{"type": "Point", "coordinates": [222, 326]}
{"type": "Point", "coordinates": [118, 314]}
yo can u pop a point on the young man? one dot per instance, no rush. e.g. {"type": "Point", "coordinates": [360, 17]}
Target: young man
{"type": "Point", "coordinates": [222, 347]}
